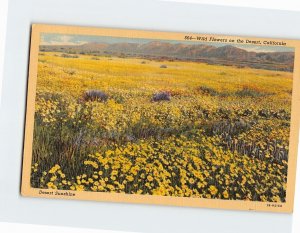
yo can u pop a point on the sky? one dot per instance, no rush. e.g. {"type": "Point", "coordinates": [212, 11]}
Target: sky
{"type": "Point", "coordinates": [62, 39]}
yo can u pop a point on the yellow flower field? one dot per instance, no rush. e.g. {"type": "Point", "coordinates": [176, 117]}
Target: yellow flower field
{"type": "Point", "coordinates": [224, 132]}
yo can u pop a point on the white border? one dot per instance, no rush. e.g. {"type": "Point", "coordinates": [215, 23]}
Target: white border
{"type": "Point", "coordinates": [30, 228]}
{"type": "Point", "coordinates": [3, 17]}
{"type": "Point", "coordinates": [292, 5]}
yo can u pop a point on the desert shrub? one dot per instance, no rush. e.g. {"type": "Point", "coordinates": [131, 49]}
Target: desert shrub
{"type": "Point", "coordinates": [228, 127]}
{"type": "Point", "coordinates": [143, 62]}
{"type": "Point", "coordinates": [279, 114]}
{"type": "Point", "coordinates": [70, 71]}
{"type": "Point", "coordinates": [95, 95]}
{"type": "Point", "coordinates": [161, 96]}
{"type": "Point", "coordinates": [118, 98]}
{"type": "Point", "coordinates": [208, 91]}
{"type": "Point", "coordinates": [212, 92]}
{"type": "Point", "coordinates": [241, 66]}
{"type": "Point", "coordinates": [224, 94]}
{"type": "Point", "coordinates": [163, 66]}
{"type": "Point", "coordinates": [64, 55]}
{"type": "Point", "coordinates": [249, 92]}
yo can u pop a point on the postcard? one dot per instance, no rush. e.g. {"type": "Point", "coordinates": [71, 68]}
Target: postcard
{"type": "Point", "coordinates": [163, 118]}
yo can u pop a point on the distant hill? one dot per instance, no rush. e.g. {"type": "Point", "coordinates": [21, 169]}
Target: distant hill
{"type": "Point", "coordinates": [225, 55]}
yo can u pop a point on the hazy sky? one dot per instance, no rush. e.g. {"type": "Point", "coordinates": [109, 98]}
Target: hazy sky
{"type": "Point", "coordinates": [61, 39]}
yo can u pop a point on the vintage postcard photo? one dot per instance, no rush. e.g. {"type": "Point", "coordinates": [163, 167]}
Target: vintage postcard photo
{"type": "Point", "coordinates": [162, 118]}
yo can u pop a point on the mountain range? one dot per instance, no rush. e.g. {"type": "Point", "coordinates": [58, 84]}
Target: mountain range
{"type": "Point", "coordinates": [225, 55]}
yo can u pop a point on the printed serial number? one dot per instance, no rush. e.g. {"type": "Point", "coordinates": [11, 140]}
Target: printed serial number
{"type": "Point", "coordinates": [274, 205]}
